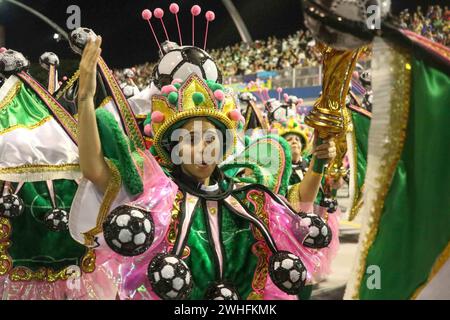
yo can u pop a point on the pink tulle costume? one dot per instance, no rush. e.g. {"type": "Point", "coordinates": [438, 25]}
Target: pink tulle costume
{"type": "Point", "coordinates": [280, 230]}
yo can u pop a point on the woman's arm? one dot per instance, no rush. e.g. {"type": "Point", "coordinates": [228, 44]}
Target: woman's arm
{"type": "Point", "coordinates": [92, 163]}
{"type": "Point", "coordinates": [309, 187]}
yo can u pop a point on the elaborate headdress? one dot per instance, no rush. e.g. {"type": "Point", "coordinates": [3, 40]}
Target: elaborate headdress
{"type": "Point", "coordinates": [191, 99]}
{"type": "Point", "coordinates": [189, 81]}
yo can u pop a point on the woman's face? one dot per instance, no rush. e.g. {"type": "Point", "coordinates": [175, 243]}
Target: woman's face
{"type": "Point", "coordinates": [200, 149]}
{"type": "Point", "coordinates": [296, 146]}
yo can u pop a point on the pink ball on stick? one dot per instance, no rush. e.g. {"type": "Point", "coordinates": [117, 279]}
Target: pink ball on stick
{"type": "Point", "coordinates": [174, 8]}
{"type": "Point", "coordinates": [146, 14]}
{"type": "Point", "coordinates": [196, 10]}
{"type": "Point", "coordinates": [210, 16]}
{"type": "Point", "coordinates": [158, 13]}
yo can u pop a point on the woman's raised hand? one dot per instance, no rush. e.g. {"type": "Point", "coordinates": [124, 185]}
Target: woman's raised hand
{"type": "Point", "coordinates": [88, 68]}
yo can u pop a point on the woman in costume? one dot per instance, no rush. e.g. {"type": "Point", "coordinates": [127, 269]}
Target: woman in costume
{"type": "Point", "coordinates": [196, 232]}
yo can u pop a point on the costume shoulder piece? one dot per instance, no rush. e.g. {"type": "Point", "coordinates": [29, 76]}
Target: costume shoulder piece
{"type": "Point", "coordinates": [269, 160]}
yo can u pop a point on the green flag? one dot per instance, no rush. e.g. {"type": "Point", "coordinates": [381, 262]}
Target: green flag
{"type": "Point", "coordinates": [404, 243]}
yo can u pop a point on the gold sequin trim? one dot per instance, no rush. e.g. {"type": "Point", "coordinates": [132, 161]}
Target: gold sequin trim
{"type": "Point", "coordinates": [294, 197]}
{"type": "Point", "coordinates": [400, 101]}
{"type": "Point", "coordinates": [440, 261]}
{"type": "Point", "coordinates": [5, 259]}
{"type": "Point", "coordinates": [122, 103]}
{"type": "Point", "coordinates": [111, 192]}
{"type": "Point", "coordinates": [260, 249]}
{"type": "Point", "coordinates": [60, 113]}
{"type": "Point", "coordinates": [38, 168]}
{"type": "Point", "coordinates": [23, 126]}
{"type": "Point", "coordinates": [68, 84]}
{"type": "Point", "coordinates": [10, 95]}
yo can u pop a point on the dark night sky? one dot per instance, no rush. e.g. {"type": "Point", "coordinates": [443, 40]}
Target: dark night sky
{"type": "Point", "coordinates": [127, 38]}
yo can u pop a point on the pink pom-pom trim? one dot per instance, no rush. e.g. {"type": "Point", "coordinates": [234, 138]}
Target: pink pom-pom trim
{"type": "Point", "coordinates": [64, 78]}
{"type": "Point", "coordinates": [146, 14]}
{"type": "Point", "coordinates": [148, 130]}
{"type": "Point", "coordinates": [177, 81]}
{"type": "Point", "coordinates": [196, 10]}
{"type": "Point", "coordinates": [159, 13]}
{"type": "Point", "coordinates": [2, 49]}
{"type": "Point", "coordinates": [234, 115]}
{"type": "Point", "coordinates": [157, 117]}
{"type": "Point", "coordinates": [174, 8]}
{"type": "Point", "coordinates": [168, 89]}
{"type": "Point", "coordinates": [219, 95]}
{"type": "Point", "coordinates": [210, 15]}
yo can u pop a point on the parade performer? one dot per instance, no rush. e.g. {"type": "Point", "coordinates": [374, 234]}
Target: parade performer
{"type": "Point", "coordinates": [196, 232]}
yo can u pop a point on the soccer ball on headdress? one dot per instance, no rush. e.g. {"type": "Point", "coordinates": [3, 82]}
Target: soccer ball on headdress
{"type": "Point", "coordinates": [287, 272]}
{"type": "Point", "coordinates": [12, 62]}
{"type": "Point", "coordinates": [221, 291]}
{"type": "Point", "coordinates": [11, 205]}
{"type": "Point", "coordinates": [79, 37]}
{"type": "Point", "coordinates": [57, 220]}
{"type": "Point", "coordinates": [319, 233]}
{"type": "Point", "coordinates": [129, 231]}
{"type": "Point", "coordinates": [170, 277]}
{"type": "Point", "coordinates": [48, 59]}
{"type": "Point", "coordinates": [179, 61]}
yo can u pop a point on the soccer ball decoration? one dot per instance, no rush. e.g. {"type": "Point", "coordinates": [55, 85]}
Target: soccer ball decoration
{"type": "Point", "coordinates": [129, 231]}
{"type": "Point", "coordinates": [57, 220]}
{"type": "Point", "coordinates": [12, 62]}
{"type": "Point", "coordinates": [78, 39]}
{"type": "Point", "coordinates": [287, 272]}
{"type": "Point", "coordinates": [181, 62]}
{"type": "Point", "coordinates": [319, 233]}
{"type": "Point", "coordinates": [221, 291]}
{"type": "Point", "coordinates": [330, 204]}
{"type": "Point", "coordinates": [344, 24]}
{"type": "Point", "coordinates": [48, 59]}
{"type": "Point", "coordinates": [170, 277]}
{"type": "Point", "coordinates": [11, 205]}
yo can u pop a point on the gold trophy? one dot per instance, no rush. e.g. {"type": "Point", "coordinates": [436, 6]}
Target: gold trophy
{"type": "Point", "coordinates": [329, 115]}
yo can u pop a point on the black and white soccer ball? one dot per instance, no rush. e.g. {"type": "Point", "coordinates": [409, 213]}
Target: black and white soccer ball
{"type": "Point", "coordinates": [366, 79]}
{"type": "Point", "coordinates": [247, 97]}
{"type": "Point", "coordinates": [48, 59]}
{"type": "Point", "coordinates": [78, 39]}
{"type": "Point", "coordinates": [221, 291]}
{"type": "Point", "coordinates": [12, 62]}
{"type": "Point", "coordinates": [329, 203]}
{"type": "Point", "coordinates": [287, 272]}
{"type": "Point", "coordinates": [11, 205]}
{"type": "Point", "coordinates": [344, 24]}
{"type": "Point", "coordinates": [319, 233]}
{"type": "Point", "coordinates": [170, 277]}
{"type": "Point", "coordinates": [128, 230]}
{"type": "Point", "coordinates": [181, 62]}
{"type": "Point", "coordinates": [57, 220]}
